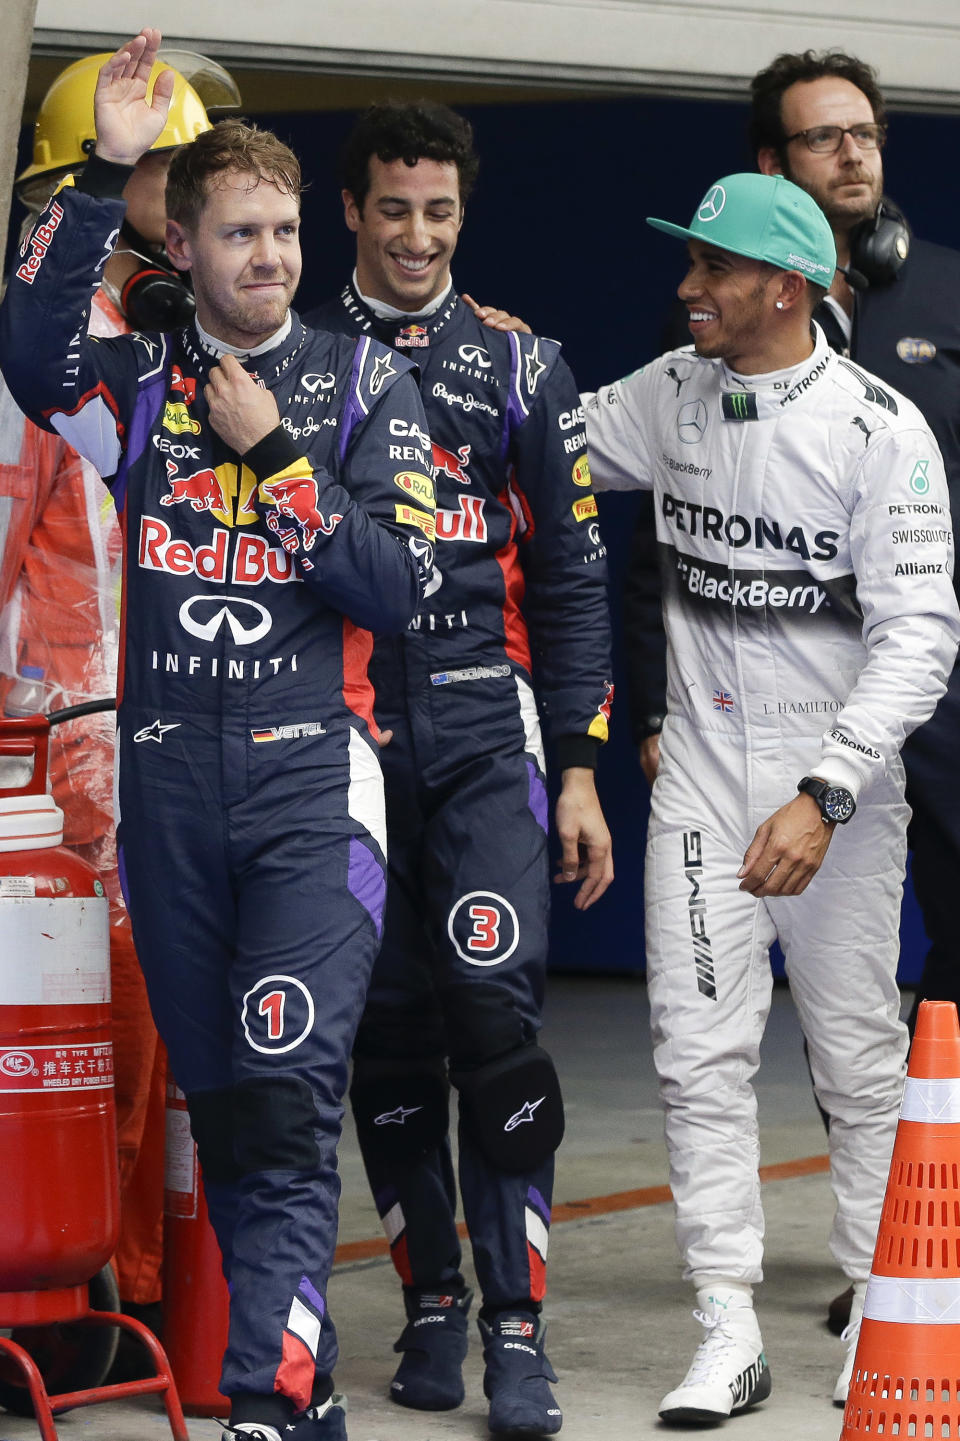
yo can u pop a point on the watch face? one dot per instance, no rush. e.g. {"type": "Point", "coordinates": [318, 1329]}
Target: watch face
{"type": "Point", "coordinates": [838, 804]}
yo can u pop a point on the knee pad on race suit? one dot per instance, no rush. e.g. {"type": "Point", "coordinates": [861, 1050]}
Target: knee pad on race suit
{"type": "Point", "coordinates": [264, 1124]}
{"type": "Point", "coordinates": [401, 1108]}
{"type": "Point", "coordinates": [212, 1125]}
{"type": "Point", "coordinates": [513, 1109]}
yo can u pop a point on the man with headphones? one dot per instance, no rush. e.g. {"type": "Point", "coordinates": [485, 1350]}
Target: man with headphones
{"type": "Point", "coordinates": [59, 586]}
{"type": "Point", "coordinates": [820, 120]}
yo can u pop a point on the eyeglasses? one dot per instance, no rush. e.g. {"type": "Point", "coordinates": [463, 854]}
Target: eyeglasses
{"type": "Point", "coordinates": [827, 139]}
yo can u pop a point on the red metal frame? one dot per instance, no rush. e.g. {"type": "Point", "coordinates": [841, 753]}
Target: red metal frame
{"type": "Point", "coordinates": [161, 1383]}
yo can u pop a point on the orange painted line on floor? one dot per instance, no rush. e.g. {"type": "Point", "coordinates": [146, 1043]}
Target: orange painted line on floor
{"type": "Point", "coordinates": [600, 1205]}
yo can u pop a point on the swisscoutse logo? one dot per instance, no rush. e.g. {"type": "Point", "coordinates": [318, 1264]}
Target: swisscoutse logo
{"type": "Point", "coordinates": [919, 479]}
{"type": "Point", "coordinates": [484, 928]}
{"type": "Point", "coordinates": [278, 1014]}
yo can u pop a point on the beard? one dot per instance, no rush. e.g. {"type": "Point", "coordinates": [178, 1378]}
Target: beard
{"type": "Point", "coordinates": [843, 210]}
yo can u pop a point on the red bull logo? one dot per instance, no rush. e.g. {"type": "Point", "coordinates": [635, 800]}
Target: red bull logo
{"type": "Point", "coordinates": [446, 463]}
{"type": "Point", "coordinates": [298, 499]}
{"type": "Point", "coordinates": [202, 489]}
{"type": "Point", "coordinates": [413, 335]}
{"type": "Point", "coordinates": [186, 385]}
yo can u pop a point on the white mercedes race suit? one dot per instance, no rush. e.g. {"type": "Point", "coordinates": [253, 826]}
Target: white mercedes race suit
{"type": "Point", "coordinates": [805, 542]}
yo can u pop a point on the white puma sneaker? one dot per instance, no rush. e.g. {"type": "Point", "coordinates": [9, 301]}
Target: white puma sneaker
{"type": "Point", "coordinates": [729, 1372]}
{"type": "Point", "coordinates": [850, 1335]}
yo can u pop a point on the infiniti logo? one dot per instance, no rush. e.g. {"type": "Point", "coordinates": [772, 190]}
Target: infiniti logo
{"type": "Point", "coordinates": [475, 355]}
{"type": "Point", "coordinates": [234, 611]}
{"type": "Point", "coordinates": [318, 382]}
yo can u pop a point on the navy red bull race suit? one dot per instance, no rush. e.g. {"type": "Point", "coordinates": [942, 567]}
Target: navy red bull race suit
{"type": "Point", "coordinates": [517, 594]}
{"type": "Point", "coordinates": [251, 828]}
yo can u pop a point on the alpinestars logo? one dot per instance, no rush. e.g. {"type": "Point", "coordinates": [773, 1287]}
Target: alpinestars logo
{"type": "Point", "coordinates": [525, 1113]}
{"type": "Point", "coordinates": [535, 366]}
{"type": "Point", "coordinates": [155, 732]}
{"type": "Point", "coordinates": [697, 915]}
{"type": "Point", "coordinates": [396, 1117]}
{"type": "Point", "coordinates": [381, 370]}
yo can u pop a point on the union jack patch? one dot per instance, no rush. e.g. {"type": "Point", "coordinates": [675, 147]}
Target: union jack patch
{"type": "Point", "coordinates": [722, 700]}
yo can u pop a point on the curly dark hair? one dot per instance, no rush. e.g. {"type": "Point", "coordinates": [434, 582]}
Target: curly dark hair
{"type": "Point", "coordinates": [396, 130]}
{"type": "Point", "coordinates": [767, 87]}
{"type": "Point", "coordinates": [230, 145]}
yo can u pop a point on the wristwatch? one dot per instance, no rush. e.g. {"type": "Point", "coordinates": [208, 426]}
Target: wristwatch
{"type": "Point", "coordinates": [835, 802]}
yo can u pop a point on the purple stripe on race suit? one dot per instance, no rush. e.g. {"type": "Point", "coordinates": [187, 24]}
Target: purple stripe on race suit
{"type": "Point", "coordinates": [353, 411]}
{"type": "Point", "coordinates": [366, 881]}
{"type": "Point", "coordinates": [539, 806]}
{"type": "Point", "coordinates": [148, 403]}
{"type": "Point", "coordinates": [536, 1203]}
{"type": "Point", "coordinates": [122, 876]}
{"type": "Point", "coordinates": [514, 415]}
{"type": "Point", "coordinates": [312, 1295]}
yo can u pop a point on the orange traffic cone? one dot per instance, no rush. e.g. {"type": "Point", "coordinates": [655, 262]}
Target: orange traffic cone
{"type": "Point", "coordinates": [906, 1377]}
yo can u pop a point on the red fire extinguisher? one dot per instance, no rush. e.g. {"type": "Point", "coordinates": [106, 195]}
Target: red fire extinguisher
{"type": "Point", "coordinates": [60, 1213]}
{"type": "Point", "coordinates": [196, 1302]}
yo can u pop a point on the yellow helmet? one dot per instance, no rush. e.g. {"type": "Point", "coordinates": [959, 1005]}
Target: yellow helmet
{"type": "Point", "coordinates": [64, 135]}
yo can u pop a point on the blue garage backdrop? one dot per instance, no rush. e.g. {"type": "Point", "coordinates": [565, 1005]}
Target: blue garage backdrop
{"type": "Point", "coordinates": [555, 232]}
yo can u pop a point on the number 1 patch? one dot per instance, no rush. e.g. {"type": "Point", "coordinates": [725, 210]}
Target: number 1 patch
{"type": "Point", "coordinates": [278, 1013]}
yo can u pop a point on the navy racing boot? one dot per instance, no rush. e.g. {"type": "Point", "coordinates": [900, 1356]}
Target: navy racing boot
{"type": "Point", "coordinates": [324, 1422]}
{"type": "Point", "coordinates": [433, 1344]}
{"type": "Point", "coordinates": [516, 1373]}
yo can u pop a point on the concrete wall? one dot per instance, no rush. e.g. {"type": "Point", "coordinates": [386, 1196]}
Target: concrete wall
{"type": "Point", "coordinates": [18, 26]}
{"type": "Point", "coordinates": [684, 46]}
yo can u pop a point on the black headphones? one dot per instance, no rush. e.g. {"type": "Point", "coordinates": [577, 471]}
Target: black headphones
{"type": "Point", "coordinates": [878, 247]}
{"type": "Point", "coordinates": [156, 297]}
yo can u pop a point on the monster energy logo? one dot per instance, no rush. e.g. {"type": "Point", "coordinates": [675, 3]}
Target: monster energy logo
{"type": "Point", "coordinates": [739, 405]}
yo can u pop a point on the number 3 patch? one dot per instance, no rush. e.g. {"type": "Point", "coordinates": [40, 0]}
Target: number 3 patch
{"type": "Point", "coordinates": [483, 928]}
{"type": "Point", "coordinates": [278, 1013]}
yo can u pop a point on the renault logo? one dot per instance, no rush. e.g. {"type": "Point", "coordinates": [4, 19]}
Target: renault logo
{"type": "Point", "coordinates": [712, 204]}
{"type": "Point", "coordinates": [246, 620]}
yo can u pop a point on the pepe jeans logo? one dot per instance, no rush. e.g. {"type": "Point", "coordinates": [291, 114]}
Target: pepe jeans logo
{"type": "Point", "coordinates": [712, 204]}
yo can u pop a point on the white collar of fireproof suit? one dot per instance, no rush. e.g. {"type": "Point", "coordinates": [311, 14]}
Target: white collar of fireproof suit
{"type": "Point", "coordinates": [390, 312]}
{"type": "Point", "coordinates": [220, 347]}
{"type": "Point", "coordinates": [779, 388]}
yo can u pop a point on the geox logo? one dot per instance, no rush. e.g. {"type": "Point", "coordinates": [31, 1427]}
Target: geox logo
{"type": "Point", "coordinates": [739, 405]}
{"type": "Point", "coordinates": [288, 733]}
{"type": "Point", "coordinates": [697, 912]}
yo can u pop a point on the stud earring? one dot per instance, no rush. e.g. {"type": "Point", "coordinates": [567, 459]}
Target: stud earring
{"type": "Point", "coordinates": [779, 304]}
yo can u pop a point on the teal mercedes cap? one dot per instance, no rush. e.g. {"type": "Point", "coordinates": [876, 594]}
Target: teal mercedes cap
{"type": "Point", "coordinates": [765, 217]}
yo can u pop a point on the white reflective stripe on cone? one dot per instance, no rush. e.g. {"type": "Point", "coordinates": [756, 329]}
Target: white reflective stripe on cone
{"type": "Point", "coordinates": [911, 1302]}
{"type": "Point", "coordinates": [925, 1100]}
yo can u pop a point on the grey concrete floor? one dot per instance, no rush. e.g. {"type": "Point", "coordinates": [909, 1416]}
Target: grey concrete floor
{"type": "Point", "coordinates": [620, 1328]}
